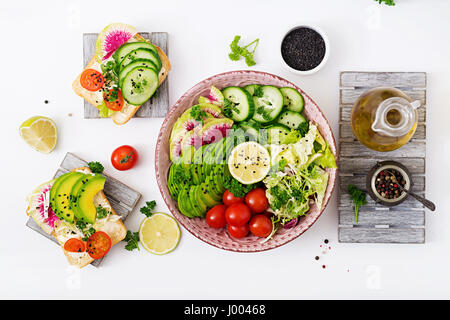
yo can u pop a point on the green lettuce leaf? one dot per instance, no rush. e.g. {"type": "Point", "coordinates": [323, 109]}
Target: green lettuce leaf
{"type": "Point", "coordinates": [326, 160]}
{"type": "Point", "coordinates": [104, 111]}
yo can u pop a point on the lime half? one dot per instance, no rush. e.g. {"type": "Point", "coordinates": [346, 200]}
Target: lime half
{"type": "Point", "coordinates": [159, 233]}
{"type": "Point", "coordinates": [40, 133]}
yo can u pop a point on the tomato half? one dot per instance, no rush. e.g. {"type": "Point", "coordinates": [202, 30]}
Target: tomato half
{"type": "Point", "coordinates": [116, 104]}
{"type": "Point", "coordinates": [260, 225]}
{"type": "Point", "coordinates": [98, 244]}
{"type": "Point", "coordinates": [257, 200]}
{"type": "Point", "coordinates": [238, 214]}
{"type": "Point", "coordinates": [215, 217]}
{"type": "Point", "coordinates": [238, 232]}
{"type": "Point", "coordinates": [74, 245]}
{"type": "Point", "coordinates": [228, 198]}
{"type": "Point", "coordinates": [124, 157]}
{"type": "Point", "coordinates": [91, 80]}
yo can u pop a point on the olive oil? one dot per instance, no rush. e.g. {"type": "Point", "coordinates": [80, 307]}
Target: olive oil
{"type": "Point", "coordinates": [384, 119]}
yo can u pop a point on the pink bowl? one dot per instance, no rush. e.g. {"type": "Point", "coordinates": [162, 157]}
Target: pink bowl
{"type": "Point", "coordinates": [198, 227]}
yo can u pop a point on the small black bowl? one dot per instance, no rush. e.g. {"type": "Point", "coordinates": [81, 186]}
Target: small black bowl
{"type": "Point", "coordinates": [371, 178]}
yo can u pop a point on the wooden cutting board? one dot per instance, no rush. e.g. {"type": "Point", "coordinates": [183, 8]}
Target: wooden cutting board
{"type": "Point", "coordinates": [122, 198]}
{"type": "Point", "coordinates": [158, 105]}
{"type": "Point", "coordinates": [404, 223]}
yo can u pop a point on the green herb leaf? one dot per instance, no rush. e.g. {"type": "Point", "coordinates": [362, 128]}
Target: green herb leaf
{"type": "Point", "coordinates": [198, 114]}
{"type": "Point", "coordinates": [387, 2]}
{"type": "Point", "coordinates": [102, 212]}
{"type": "Point", "coordinates": [358, 197]}
{"type": "Point", "coordinates": [258, 92]}
{"type": "Point", "coordinates": [236, 188]}
{"type": "Point", "coordinates": [237, 51]}
{"type": "Point", "coordinates": [96, 167]}
{"type": "Point", "coordinates": [147, 210]}
{"type": "Point", "coordinates": [264, 112]}
{"type": "Point", "coordinates": [132, 239]}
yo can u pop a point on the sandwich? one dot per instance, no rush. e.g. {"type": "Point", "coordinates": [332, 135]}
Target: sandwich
{"type": "Point", "coordinates": [125, 72]}
{"type": "Point", "coordinates": [74, 210]}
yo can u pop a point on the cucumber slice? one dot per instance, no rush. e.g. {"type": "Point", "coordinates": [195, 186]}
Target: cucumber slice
{"type": "Point", "coordinates": [130, 46]}
{"type": "Point", "coordinates": [293, 100]}
{"type": "Point", "coordinates": [134, 64]}
{"type": "Point", "coordinates": [241, 107]}
{"type": "Point", "coordinates": [291, 119]}
{"type": "Point", "coordinates": [251, 88]}
{"type": "Point", "coordinates": [251, 130]}
{"type": "Point", "coordinates": [140, 53]}
{"type": "Point", "coordinates": [139, 85]}
{"type": "Point", "coordinates": [275, 134]}
{"type": "Point", "coordinates": [269, 106]}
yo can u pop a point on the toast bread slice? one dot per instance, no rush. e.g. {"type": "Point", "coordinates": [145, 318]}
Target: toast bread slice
{"type": "Point", "coordinates": [128, 110]}
{"type": "Point", "coordinates": [113, 226]}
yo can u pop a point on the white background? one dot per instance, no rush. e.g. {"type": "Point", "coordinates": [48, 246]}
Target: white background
{"type": "Point", "coordinates": [41, 54]}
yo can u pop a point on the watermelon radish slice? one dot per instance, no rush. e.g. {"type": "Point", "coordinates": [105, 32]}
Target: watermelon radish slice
{"type": "Point", "coordinates": [39, 207]}
{"type": "Point", "coordinates": [111, 38]}
{"type": "Point", "coordinates": [215, 97]}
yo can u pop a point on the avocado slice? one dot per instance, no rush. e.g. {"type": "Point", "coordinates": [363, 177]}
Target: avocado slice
{"type": "Point", "coordinates": [184, 203]}
{"type": "Point", "coordinates": [53, 189]}
{"type": "Point", "coordinates": [173, 187]}
{"type": "Point", "coordinates": [204, 205]}
{"type": "Point", "coordinates": [195, 174]}
{"type": "Point", "coordinates": [63, 197]}
{"type": "Point", "coordinates": [199, 207]}
{"type": "Point", "coordinates": [218, 188]}
{"type": "Point", "coordinates": [219, 152]}
{"type": "Point", "coordinates": [209, 185]}
{"type": "Point", "coordinates": [85, 198]}
{"type": "Point", "coordinates": [76, 190]}
{"type": "Point", "coordinates": [206, 197]}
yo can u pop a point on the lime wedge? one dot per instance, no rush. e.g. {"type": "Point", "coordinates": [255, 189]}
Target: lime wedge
{"type": "Point", "coordinates": [159, 233]}
{"type": "Point", "coordinates": [40, 133]}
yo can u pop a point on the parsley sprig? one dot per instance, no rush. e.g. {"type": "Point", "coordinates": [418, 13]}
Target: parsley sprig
{"type": "Point", "coordinates": [387, 2]}
{"type": "Point", "coordinates": [238, 189]}
{"type": "Point", "coordinates": [198, 114]}
{"type": "Point", "coordinates": [358, 197]}
{"type": "Point", "coordinates": [147, 210]}
{"type": "Point", "coordinates": [96, 167]}
{"type": "Point", "coordinates": [238, 52]}
{"type": "Point", "coordinates": [102, 212]}
{"type": "Point", "coordinates": [229, 107]}
{"type": "Point", "coordinates": [132, 238]}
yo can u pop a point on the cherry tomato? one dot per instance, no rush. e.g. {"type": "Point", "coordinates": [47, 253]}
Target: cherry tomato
{"type": "Point", "coordinates": [229, 198]}
{"type": "Point", "coordinates": [260, 225]}
{"type": "Point", "coordinates": [216, 216]}
{"type": "Point", "coordinates": [116, 104]}
{"type": "Point", "coordinates": [98, 244]}
{"type": "Point", "coordinates": [267, 214]}
{"type": "Point", "coordinates": [238, 214]}
{"type": "Point", "coordinates": [124, 157]}
{"type": "Point", "coordinates": [91, 80]}
{"type": "Point", "coordinates": [257, 200]}
{"type": "Point", "coordinates": [238, 232]}
{"type": "Point", "coordinates": [74, 245]}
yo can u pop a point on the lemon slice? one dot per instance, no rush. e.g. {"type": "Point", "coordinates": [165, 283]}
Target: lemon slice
{"type": "Point", "coordinates": [159, 233]}
{"type": "Point", "coordinates": [249, 162]}
{"type": "Point", "coordinates": [40, 133]}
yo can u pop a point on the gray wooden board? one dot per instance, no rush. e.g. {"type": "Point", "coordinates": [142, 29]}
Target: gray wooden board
{"type": "Point", "coordinates": [158, 105]}
{"type": "Point", "coordinates": [404, 223]}
{"type": "Point", "coordinates": [121, 197]}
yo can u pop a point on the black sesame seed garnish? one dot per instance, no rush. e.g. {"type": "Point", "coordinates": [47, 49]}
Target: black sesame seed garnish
{"type": "Point", "coordinates": [303, 49]}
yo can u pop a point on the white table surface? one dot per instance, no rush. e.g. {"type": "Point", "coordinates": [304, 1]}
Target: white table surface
{"type": "Point", "coordinates": [42, 54]}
